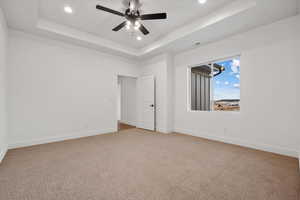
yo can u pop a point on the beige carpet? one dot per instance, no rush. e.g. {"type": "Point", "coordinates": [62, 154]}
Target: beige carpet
{"type": "Point", "coordinates": [140, 165]}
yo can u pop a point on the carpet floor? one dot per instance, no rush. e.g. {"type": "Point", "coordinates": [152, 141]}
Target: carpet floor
{"type": "Point", "coordinates": [140, 165]}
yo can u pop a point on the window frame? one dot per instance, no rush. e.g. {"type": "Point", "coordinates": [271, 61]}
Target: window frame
{"type": "Point", "coordinates": [189, 85]}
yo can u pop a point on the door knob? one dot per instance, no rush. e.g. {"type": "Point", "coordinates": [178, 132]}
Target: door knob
{"type": "Point", "coordinates": [152, 105]}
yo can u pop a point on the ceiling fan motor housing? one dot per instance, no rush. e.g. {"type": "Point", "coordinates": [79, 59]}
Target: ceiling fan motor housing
{"type": "Point", "coordinates": [132, 15]}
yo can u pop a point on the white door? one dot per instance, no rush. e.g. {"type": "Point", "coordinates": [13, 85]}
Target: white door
{"type": "Point", "coordinates": [146, 102]}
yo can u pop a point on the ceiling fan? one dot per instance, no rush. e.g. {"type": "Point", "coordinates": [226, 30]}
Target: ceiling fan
{"type": "Point", "coordinates": [133, 16]}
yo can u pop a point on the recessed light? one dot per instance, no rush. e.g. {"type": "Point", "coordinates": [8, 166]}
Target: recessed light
{"type": "Point", "coordinates": [202, 1]}
{"type": "Point", "coordinates": [139, 38]}
{"type": "Point", "coordinates": [68, 9]}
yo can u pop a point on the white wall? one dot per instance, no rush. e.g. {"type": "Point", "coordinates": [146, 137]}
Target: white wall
{"type": "Point", "coordinates": [119, 100]}
{"type": "Point", "coordinates": [128, 100]}
{"type": "Point", "coordinates": [3, 114]}
{"type": "Point", "coordinates": [269, 103]}
{"type": "Point", "coordinates": [170, 93]}
{"type": "Point", "coordinates": [58, 91]}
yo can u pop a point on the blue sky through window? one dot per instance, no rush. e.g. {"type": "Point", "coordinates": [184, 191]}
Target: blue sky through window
{"type": "Point", "coordinates": [227, 84]}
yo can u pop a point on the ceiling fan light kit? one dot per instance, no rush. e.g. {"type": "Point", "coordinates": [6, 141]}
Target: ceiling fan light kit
{"type": "Point", "coordinates": [133, 17]}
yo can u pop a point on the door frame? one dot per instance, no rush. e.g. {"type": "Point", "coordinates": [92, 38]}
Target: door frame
{"type": "Point", "coordinates": [155, 103]}
{"type": "Point", "coordinates": [116, 79]}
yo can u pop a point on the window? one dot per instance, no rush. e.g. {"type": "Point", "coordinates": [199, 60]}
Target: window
{"type": "Point", "coordinates": [215, 86]}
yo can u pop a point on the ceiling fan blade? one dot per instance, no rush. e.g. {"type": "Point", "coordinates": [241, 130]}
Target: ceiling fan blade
{"type": "Point", "coordinates": [154, 16]}
{"type": "Point", "coordinates": [144, 30]}
{"type": "Point", "coordinates": [110, 10]}
{"type": "Point", "coordinates": [119, 27]}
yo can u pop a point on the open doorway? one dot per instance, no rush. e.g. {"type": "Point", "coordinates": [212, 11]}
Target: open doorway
{"type": "Point", "coordinates": [127, 102]}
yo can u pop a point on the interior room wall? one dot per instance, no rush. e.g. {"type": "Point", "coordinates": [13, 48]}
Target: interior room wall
{"type": "Point", "coordinates": [59, 91]}
{"type": "Point", "coordinates": [268, 119]}
{"type": "Point", "coordinates": [3, 113]}
{"type": "Point", "coordinates": [128, 100]}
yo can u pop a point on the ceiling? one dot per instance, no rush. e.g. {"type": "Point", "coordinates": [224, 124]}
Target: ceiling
{"type": "Point", "coordinates": [87, 18]}
{"type": "Point", "coordinates": [188, 22]}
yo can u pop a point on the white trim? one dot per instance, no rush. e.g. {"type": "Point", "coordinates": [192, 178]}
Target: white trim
{"type": "Point", "coordinates": [164, 131]}
{"type": "Point", "coordinates": [258, 146]}
{"type": "Point", "coordinates": [212, 86]}
{"type": "Point", "coordinates": [52, 27]}
{"type": "Point", "coordinates": [42, 25]}
{"type": "Point", "coordinates": [59, 138]}
{"type": "Point", "coordinates": [3, 153]}
{"type": "Point", "coordinates": [17, 33]}
{"type": "Point", "coordinates": [299, 159]}
{"type": "Point", "coordinates": [131, 123]}
{"type": "Point", "coordinates": [232, 9]}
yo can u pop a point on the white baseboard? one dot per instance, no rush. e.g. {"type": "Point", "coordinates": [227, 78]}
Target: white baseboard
{"type": "Point", "coordinates": [163, 130]}
{"type": "Point", "coordinates": [299, 159]}
{"type": "Point", "coordinates": [60, 138]}
{"type": "Point", "coordinates": [258, 146]}
{"type": "Point", "coordinates": [128, 122]}
{"type": "Point", "coordinates": [2, 153]}
{"type": "Point", "coordinates": [263, 147]}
